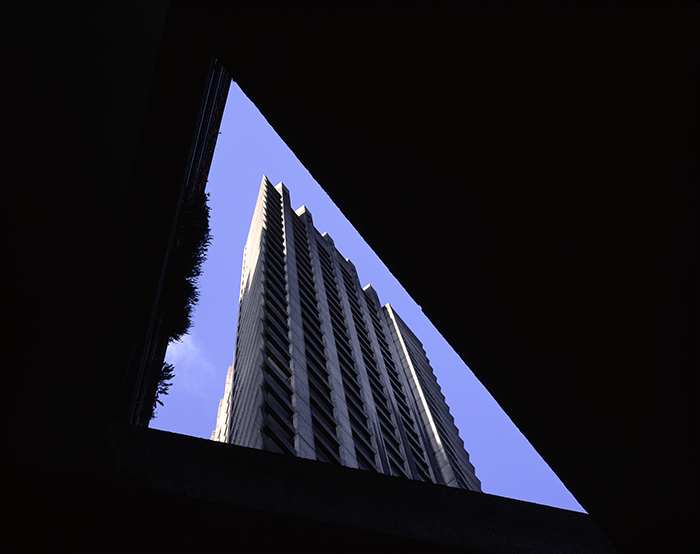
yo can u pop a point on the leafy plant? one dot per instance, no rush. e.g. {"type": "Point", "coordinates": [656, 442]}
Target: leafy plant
{"type": "Point", "coordinates": [167, 372]}
{"type": "Point", "coordinates": [179, 294]}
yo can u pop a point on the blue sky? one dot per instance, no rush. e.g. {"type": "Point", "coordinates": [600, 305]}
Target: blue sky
{"type": "Point", "coordinates": [247, 148]}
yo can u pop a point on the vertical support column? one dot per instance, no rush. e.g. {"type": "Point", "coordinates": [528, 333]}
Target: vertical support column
{"type": "Point", "coordinates": [437, 456]}
{"type": "Point", "coordinates": [371, 303]}
{"type": "Point", "coordinates": [383, 377]}
{"type": "Point", "coordinates": [245, 418]}
{"type": "Point", "coordinates": [343, 429]}
{"type": "Point", "coordinates": [303, 441]}
{"type": "Point", "coordinates": [448, 448]}
{"type": "Point", "coordinates": [381, 459]}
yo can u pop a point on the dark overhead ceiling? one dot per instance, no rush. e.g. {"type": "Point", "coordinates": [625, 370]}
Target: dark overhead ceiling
{"type": "Point", "coordinates": [529, 173]}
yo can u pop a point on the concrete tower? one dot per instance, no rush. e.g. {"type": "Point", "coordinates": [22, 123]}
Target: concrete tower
{"type": "Point", "coordinates": [321, 370]}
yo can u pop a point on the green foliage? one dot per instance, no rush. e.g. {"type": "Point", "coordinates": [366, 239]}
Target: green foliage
{"type": "Point", "coordinates": [167, 372]}
{"type": "Point", "coordinates": [179, 294]}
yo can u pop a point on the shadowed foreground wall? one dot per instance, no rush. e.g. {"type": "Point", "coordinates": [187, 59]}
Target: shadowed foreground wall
{"type": "Point", "coordinates": [247, 491]}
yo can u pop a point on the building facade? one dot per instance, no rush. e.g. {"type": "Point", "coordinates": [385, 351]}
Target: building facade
{"type": "Point", "coordinates": [321, 370]}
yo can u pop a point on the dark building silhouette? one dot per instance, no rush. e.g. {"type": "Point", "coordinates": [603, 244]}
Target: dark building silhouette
{"type": "Point", "coordinates": [321, 370]}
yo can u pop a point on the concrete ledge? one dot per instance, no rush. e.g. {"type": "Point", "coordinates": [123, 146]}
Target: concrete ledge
{"type": "Point", "coordinates": [212, 488]}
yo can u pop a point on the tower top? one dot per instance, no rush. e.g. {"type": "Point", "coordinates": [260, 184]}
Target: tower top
{"type": "Point", "coordinates": [304, 210]}
{"type": "Point", "coordinates": [282, 189]}
{"type": "Point", "coordinates": [369, 289]}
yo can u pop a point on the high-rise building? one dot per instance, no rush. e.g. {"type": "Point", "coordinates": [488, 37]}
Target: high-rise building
{"type": "Point", "coordinates": [321, 370]}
